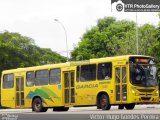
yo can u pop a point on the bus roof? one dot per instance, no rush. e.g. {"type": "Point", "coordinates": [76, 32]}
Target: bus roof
{"type": "Point", "coordinates": [73, 63]}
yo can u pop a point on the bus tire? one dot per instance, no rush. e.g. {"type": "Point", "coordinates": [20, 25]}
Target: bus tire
{"type": "Point", "coordinates": [130, 106]}
{"type": "Point", "coordinates": [37, 105]}
{"type": "Point", "coordinates": [120, 107]}
{"type": "Point", "coordinates": [58, 109]}
{"type": "Point", "coordinates": [104, 102]}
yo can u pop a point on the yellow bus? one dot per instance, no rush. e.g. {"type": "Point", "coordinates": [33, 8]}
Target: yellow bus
{"type": "Point", "coordinates": [103, 82]}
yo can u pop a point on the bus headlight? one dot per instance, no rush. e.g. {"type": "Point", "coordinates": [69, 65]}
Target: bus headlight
{"type": "Point", "coordinates": [156, 93]}
{"type": "Point", "coordinates": [133, 91]}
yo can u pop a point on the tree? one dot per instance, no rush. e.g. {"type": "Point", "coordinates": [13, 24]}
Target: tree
{"type": "Point", "coordinates": [147, 38]}
{"type": "Point", "coordinates": [155, 50]}
{"type": "Point", "coordinates": [113, 37]}
{"type": "Point", "coordinates": [50, 57]}
{"type": "Point", "coordinates": [20, 51]}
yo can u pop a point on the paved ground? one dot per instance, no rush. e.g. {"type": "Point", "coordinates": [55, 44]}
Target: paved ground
{"type": "Point", "coordinates": [86, 113]}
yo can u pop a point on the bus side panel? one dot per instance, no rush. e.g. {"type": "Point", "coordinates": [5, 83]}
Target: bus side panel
{"type": "Point", "coordinates": [107, 86]}
{"type": "Point", "coordinates": [51, 95]}
{"type": "Point", "coordinates": [86, 93]}
{"type": "Point", "coordinates": [8, 98]}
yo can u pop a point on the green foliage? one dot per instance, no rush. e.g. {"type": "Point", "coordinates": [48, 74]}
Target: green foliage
{"type": "Point", "coordinates": [104, 23]}
{"type": "Point", "coordinates": [49, 57]}
{"type": "Point", "coordinates": [155, 49]}
{"type": "Point", "coordinates": [147, 38]}
{"type": "Point", "coordinates": [20, 51]}
{"type": "Point", "coordinates": [112, 37]}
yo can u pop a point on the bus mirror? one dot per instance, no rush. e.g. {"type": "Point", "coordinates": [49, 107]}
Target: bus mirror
{"type": "Point", "coordinates": [156, 61]}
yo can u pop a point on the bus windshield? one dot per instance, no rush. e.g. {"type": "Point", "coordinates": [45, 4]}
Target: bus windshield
{"type": "Point", "coordinates": [143, 73]}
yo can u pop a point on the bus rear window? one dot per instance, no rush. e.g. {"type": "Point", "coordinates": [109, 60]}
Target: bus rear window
{"type": "Point", "coordinates": [8, 81]}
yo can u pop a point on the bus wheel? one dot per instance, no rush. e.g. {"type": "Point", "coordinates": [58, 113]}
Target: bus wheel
{"type": "Point", "coordinates": [37, 105]}
{"type": "Point", "coordinates": [58, 109]}
{"type": "Point", "coordinates": [130, 106]}
{"type": "Point", "coordinates": [104, 102]}
{"type": "Point", "coordinates": [120, 107]}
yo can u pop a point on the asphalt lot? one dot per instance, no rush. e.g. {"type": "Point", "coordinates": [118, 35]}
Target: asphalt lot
{"type": "Point", "coordinates": [84, 113]}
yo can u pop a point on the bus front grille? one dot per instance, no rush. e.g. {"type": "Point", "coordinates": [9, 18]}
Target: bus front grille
{"type": "Point", "coordinates": [145, 90]}
{"type": "Point", "coordinates": [145, 98]}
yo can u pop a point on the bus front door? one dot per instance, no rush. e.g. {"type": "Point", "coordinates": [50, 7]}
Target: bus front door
{"type": "Point", "coordinates": [121, 84]}
{"type": "Point", "coordinates": [69, 88]}
{"type": "Point", "coordinates": [19, 92]}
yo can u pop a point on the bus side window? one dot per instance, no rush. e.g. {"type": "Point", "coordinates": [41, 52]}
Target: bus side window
{"type": "Point", "coordinates": [88, 72]}
{"type": "Point", "coordinates": [42, 77]}
{"type": "Point", "coordinates": [104, 71]}
{"type": "Point", "coordinates": [55, 76]}
{"type": "Point", "coordinates": [8, 81]}
{"type": "Point", "coordinates": [30, 78]}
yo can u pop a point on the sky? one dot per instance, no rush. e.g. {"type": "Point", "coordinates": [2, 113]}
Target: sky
{"type": "Point", "coordinates": [35, 19]}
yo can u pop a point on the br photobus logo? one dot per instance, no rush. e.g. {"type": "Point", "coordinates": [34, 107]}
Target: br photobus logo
{"type": "Point", "coordinates": [135, 5]}
{"type": "Point", "coordinates": [117, 6]}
